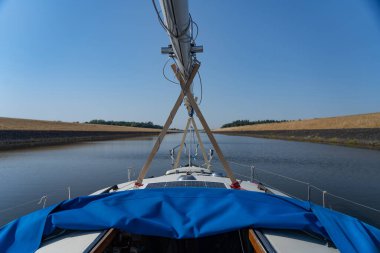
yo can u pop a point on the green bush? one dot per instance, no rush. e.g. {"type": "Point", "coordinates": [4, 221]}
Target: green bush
{"type": "Point", "coordinates": [247, 122]}
{"type": "Point", "coordinates": [148, 124]}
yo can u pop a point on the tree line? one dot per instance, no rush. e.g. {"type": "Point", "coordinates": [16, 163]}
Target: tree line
{"type": "Point", "coordinates": [247, 122]}
{"type": "Point", "coordinates": [148, 124]}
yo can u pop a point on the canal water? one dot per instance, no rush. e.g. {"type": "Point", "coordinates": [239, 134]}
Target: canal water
{"type": "Point", "coordinates": [349, 173]}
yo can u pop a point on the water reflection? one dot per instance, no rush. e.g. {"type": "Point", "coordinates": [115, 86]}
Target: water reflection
{"type": "Point", "coordinates": [26, 175]}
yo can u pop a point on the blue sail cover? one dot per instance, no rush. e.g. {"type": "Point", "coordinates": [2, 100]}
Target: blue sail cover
{"type": "Point", "coordinates": [188, 213]}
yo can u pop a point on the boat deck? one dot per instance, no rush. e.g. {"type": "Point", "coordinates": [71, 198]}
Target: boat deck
{"type": "Point", "coordinates": [278, 240]}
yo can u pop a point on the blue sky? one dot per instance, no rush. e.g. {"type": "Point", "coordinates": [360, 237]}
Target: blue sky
{"type": "Point", "coordinates": [80, 60]}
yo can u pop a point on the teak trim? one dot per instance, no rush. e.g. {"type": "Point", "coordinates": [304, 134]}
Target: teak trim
{"type": "Point", "coordinates": [102, 244]}
{"type": "Point", "coordinates": [255, 242]}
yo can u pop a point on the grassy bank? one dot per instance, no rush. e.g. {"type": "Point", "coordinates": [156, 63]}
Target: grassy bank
{"type": "Point", "coordinates": [44, 125]}
{"type": "Point", "coordinates": [24, 133]}
{"type": "Point", "coordinates": [355, 130]}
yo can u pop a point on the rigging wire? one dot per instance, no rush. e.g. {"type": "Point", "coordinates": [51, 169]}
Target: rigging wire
{"type": "Point", "coordinates": [201, 85]}
{"type": "Point", "coordinates": [192, 33]}
{"type": "Point", "coordinates": [191, 25]}
{"type": "Point", "coordinates": [163, 72]}
{"type": "Point", "coordinates": [167, 28]}
{"type": "Point", "coordinates": [299, 181]}
{"type": "Point", "coordinates": [172, 81]}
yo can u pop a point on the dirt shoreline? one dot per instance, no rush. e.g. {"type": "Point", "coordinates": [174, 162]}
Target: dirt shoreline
{"type": "Point", "coordinates": [358, 137]}
{"type": "Point", "coordinates": [18, 139]}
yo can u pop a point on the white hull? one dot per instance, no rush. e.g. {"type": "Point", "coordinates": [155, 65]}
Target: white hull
{"type": "Point", "coordinates": [281, 241]}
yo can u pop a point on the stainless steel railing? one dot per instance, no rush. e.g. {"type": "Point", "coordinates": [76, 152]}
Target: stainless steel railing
{"type": "Point", "coordinates": [309, 186]}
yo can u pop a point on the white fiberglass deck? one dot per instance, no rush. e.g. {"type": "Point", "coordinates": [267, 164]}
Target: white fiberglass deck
{"type": "Point", "coordinates": [281, 241]}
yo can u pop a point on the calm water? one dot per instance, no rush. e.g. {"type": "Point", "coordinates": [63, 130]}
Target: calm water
{"type": "Point", "coordinates": [26, 175]}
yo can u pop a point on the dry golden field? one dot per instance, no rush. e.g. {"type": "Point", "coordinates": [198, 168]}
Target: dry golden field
{"type": "Point", "coordinates": [42, 125]}
{"type": "Point", "coordinates": [371, 120]}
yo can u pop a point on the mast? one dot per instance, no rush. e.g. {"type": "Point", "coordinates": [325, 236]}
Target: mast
{"type": "Point", "coordinates": [178, 24]}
